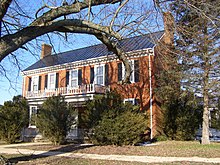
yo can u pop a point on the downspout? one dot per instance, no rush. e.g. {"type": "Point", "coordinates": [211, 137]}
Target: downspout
{"type": "Point", "coordinates": [151, 100]}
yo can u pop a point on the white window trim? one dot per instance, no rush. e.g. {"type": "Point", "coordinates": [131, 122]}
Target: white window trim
{"type": "Point", "coordinates": [95, 73]}
{"type": "Point", "coordinates": [30, 115]}
{"type": "Point", "coordinates": [48, 81]}
{"type": "Point", "coordinates": [32, 83]}
{"type": "Point", "coordinates": [70, 78]}
{"type": "Point", "coordinates": [130, 100]}
{"type": "Point", "coordinates": [132, 71]}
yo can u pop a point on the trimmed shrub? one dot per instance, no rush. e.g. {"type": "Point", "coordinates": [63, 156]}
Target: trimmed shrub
{"type": "Point", "coordinates": [114, 123]}
{"type": "Point", "coordinates": [124, 129]}
{"type": "Point", "coordinates": [54, 119]}
{"type": "Point", "coordinates": [13, 118]}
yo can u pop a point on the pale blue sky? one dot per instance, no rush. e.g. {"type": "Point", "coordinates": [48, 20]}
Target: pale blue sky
{"type": "Point", "coordinates": [13, 88]}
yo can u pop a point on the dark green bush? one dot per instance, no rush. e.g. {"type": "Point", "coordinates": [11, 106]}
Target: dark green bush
{"type": "Point", "coordinates": [124, 129]}
{"type": "Point", "coordinates": [54, 119]}
{"type": "Point", "coordinates": [182, 117]}
{"type": "Point", "coordinates": [113, 122]}
{"type": "Point", "coordinates": [13, 117]}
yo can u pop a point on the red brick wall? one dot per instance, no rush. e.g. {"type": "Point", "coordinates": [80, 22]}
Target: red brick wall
{"type": "Point", "coordinates": [139, 90]}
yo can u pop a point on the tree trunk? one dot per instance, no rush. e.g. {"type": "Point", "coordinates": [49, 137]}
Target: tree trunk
{"type": "Point", "coordinates": [205, 123]}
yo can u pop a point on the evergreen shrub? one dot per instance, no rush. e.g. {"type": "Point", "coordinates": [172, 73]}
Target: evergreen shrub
{"type": "Point", "coordinates": [13, 118]}
{"type": "Point", "coordinates": [54, 119]}
{"type": "Point", "coordinates": [114, 123]}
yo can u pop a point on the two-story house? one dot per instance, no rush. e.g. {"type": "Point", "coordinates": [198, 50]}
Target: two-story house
{"type": "Point", "coordinates": [81, 74]}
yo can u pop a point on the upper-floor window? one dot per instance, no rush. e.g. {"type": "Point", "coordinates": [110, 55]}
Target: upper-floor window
{"type": "Point", "coordinates": [51, 81]}
{"type": "Point", "coordinates": [34, 83]}
{"type": "Point", "coordinates": [134, 77]}
{"type": "Point", "coordinates": [73, 78]}
{"type": "Point", "coordinates": [131, 63]}
{"type": "Point", "coordinates": [99, 74]}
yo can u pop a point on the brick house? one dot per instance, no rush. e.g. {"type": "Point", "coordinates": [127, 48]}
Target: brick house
{"type": "Point", "coordinates": [81, 74]}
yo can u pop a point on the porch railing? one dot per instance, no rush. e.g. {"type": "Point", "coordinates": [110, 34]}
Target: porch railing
{"type": "Point", "coordinates": [81, 89]}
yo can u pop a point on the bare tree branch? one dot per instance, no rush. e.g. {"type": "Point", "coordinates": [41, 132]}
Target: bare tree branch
{"type": "Point", "coordinates": [4, 4]}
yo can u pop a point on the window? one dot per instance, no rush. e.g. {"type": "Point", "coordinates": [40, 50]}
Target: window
{"type": "Point", "coordinates": [33, 114]}
{"type": "Point", "coordinates": [132, 71]}
{"type": "Point", "coordinates": [130, 100]}
{"type": "Point", "coordinates": [99, 74]}
{"type": "Point", "coordinates": [73, 78]}
{"type": "Point", "coordinates": [133, 101]}
{"type": "Point", "coordinates": [51, 80]}
{"type": "Point", "coordinates": [34, 84]}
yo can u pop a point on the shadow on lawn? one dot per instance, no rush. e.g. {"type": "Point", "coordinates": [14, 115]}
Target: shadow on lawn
{"type": "Point", "coordinates": [54, 152]}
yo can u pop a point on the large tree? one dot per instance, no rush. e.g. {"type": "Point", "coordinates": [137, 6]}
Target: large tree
{"type": "Point", "coordinates": [107, 20]}
{"type": "Point", "coordinates": [197, 27]}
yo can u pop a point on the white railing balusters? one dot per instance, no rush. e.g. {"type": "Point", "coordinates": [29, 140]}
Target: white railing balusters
{"type": "Point", "coordinates": [81, 89]}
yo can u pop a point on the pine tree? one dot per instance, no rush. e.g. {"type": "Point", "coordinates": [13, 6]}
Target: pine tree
{"type": "Point", "coordinates": [198, 42]}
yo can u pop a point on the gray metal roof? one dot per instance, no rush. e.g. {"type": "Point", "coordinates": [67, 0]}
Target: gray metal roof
{"type": "Point", "coordinates": [129, 44]}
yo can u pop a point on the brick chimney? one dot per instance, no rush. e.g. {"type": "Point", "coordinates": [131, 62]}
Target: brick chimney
{"type": "Point", "coordinates": [169, 28]}
{"type": "Point", "coordinates": [45, 50]}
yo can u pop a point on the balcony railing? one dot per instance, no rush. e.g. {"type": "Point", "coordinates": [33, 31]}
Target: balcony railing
{"type": "Point", "coordinates": [81, 89]}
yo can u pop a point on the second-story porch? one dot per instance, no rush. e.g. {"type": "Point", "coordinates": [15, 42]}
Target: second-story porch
{"type": "Point", "coordinates": [67, 91]}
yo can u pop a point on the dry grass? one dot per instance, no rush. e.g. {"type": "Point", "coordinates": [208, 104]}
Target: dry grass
{"type": "Point", "coordinates": [168, 148]}
{"type": "Point", "coordinates": [53, 160]}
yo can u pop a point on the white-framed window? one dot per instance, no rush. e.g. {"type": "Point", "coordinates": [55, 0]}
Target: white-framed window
{"type": "Point", "coordinates": [131, 62]}
{"type": "Point", "coordinates": [51, 81]}
{"type": "Point", "coordinates": [32, 116]}
{"type": "Point", "coordinates": [73, 80]}
{"type": "Point", "coordinates": [100, 74]}
{"type": "Point", "coordinates": [34, 83]}
{"type": "Point", "coordinates": [130, 100]}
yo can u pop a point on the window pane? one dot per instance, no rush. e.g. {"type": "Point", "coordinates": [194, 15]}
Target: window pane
{"type": "Point", "coordinates": [100, 80]}
{"type": "Point", "coordinates": [35, 83]}
{"type": "Point", "coordinates": [74, 83]}
{"type": "Point", "coordinates": [51, 81]}
{"type": "Point", "coordinates": [74, 74]}
{"type": "Point", "coordinates": [74, 78]}
{"type": "Point", "coordinates": [100, 75]}
{"type": "Point", "coordinates": [99, 70]}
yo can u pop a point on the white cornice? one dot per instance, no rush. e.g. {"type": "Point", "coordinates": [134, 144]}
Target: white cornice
{"type": "Point", "coordinates": [92, 61]}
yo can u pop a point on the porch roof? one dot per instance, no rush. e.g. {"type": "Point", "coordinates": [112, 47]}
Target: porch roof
{"type": "Point", "coordinates": [128, 45]}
